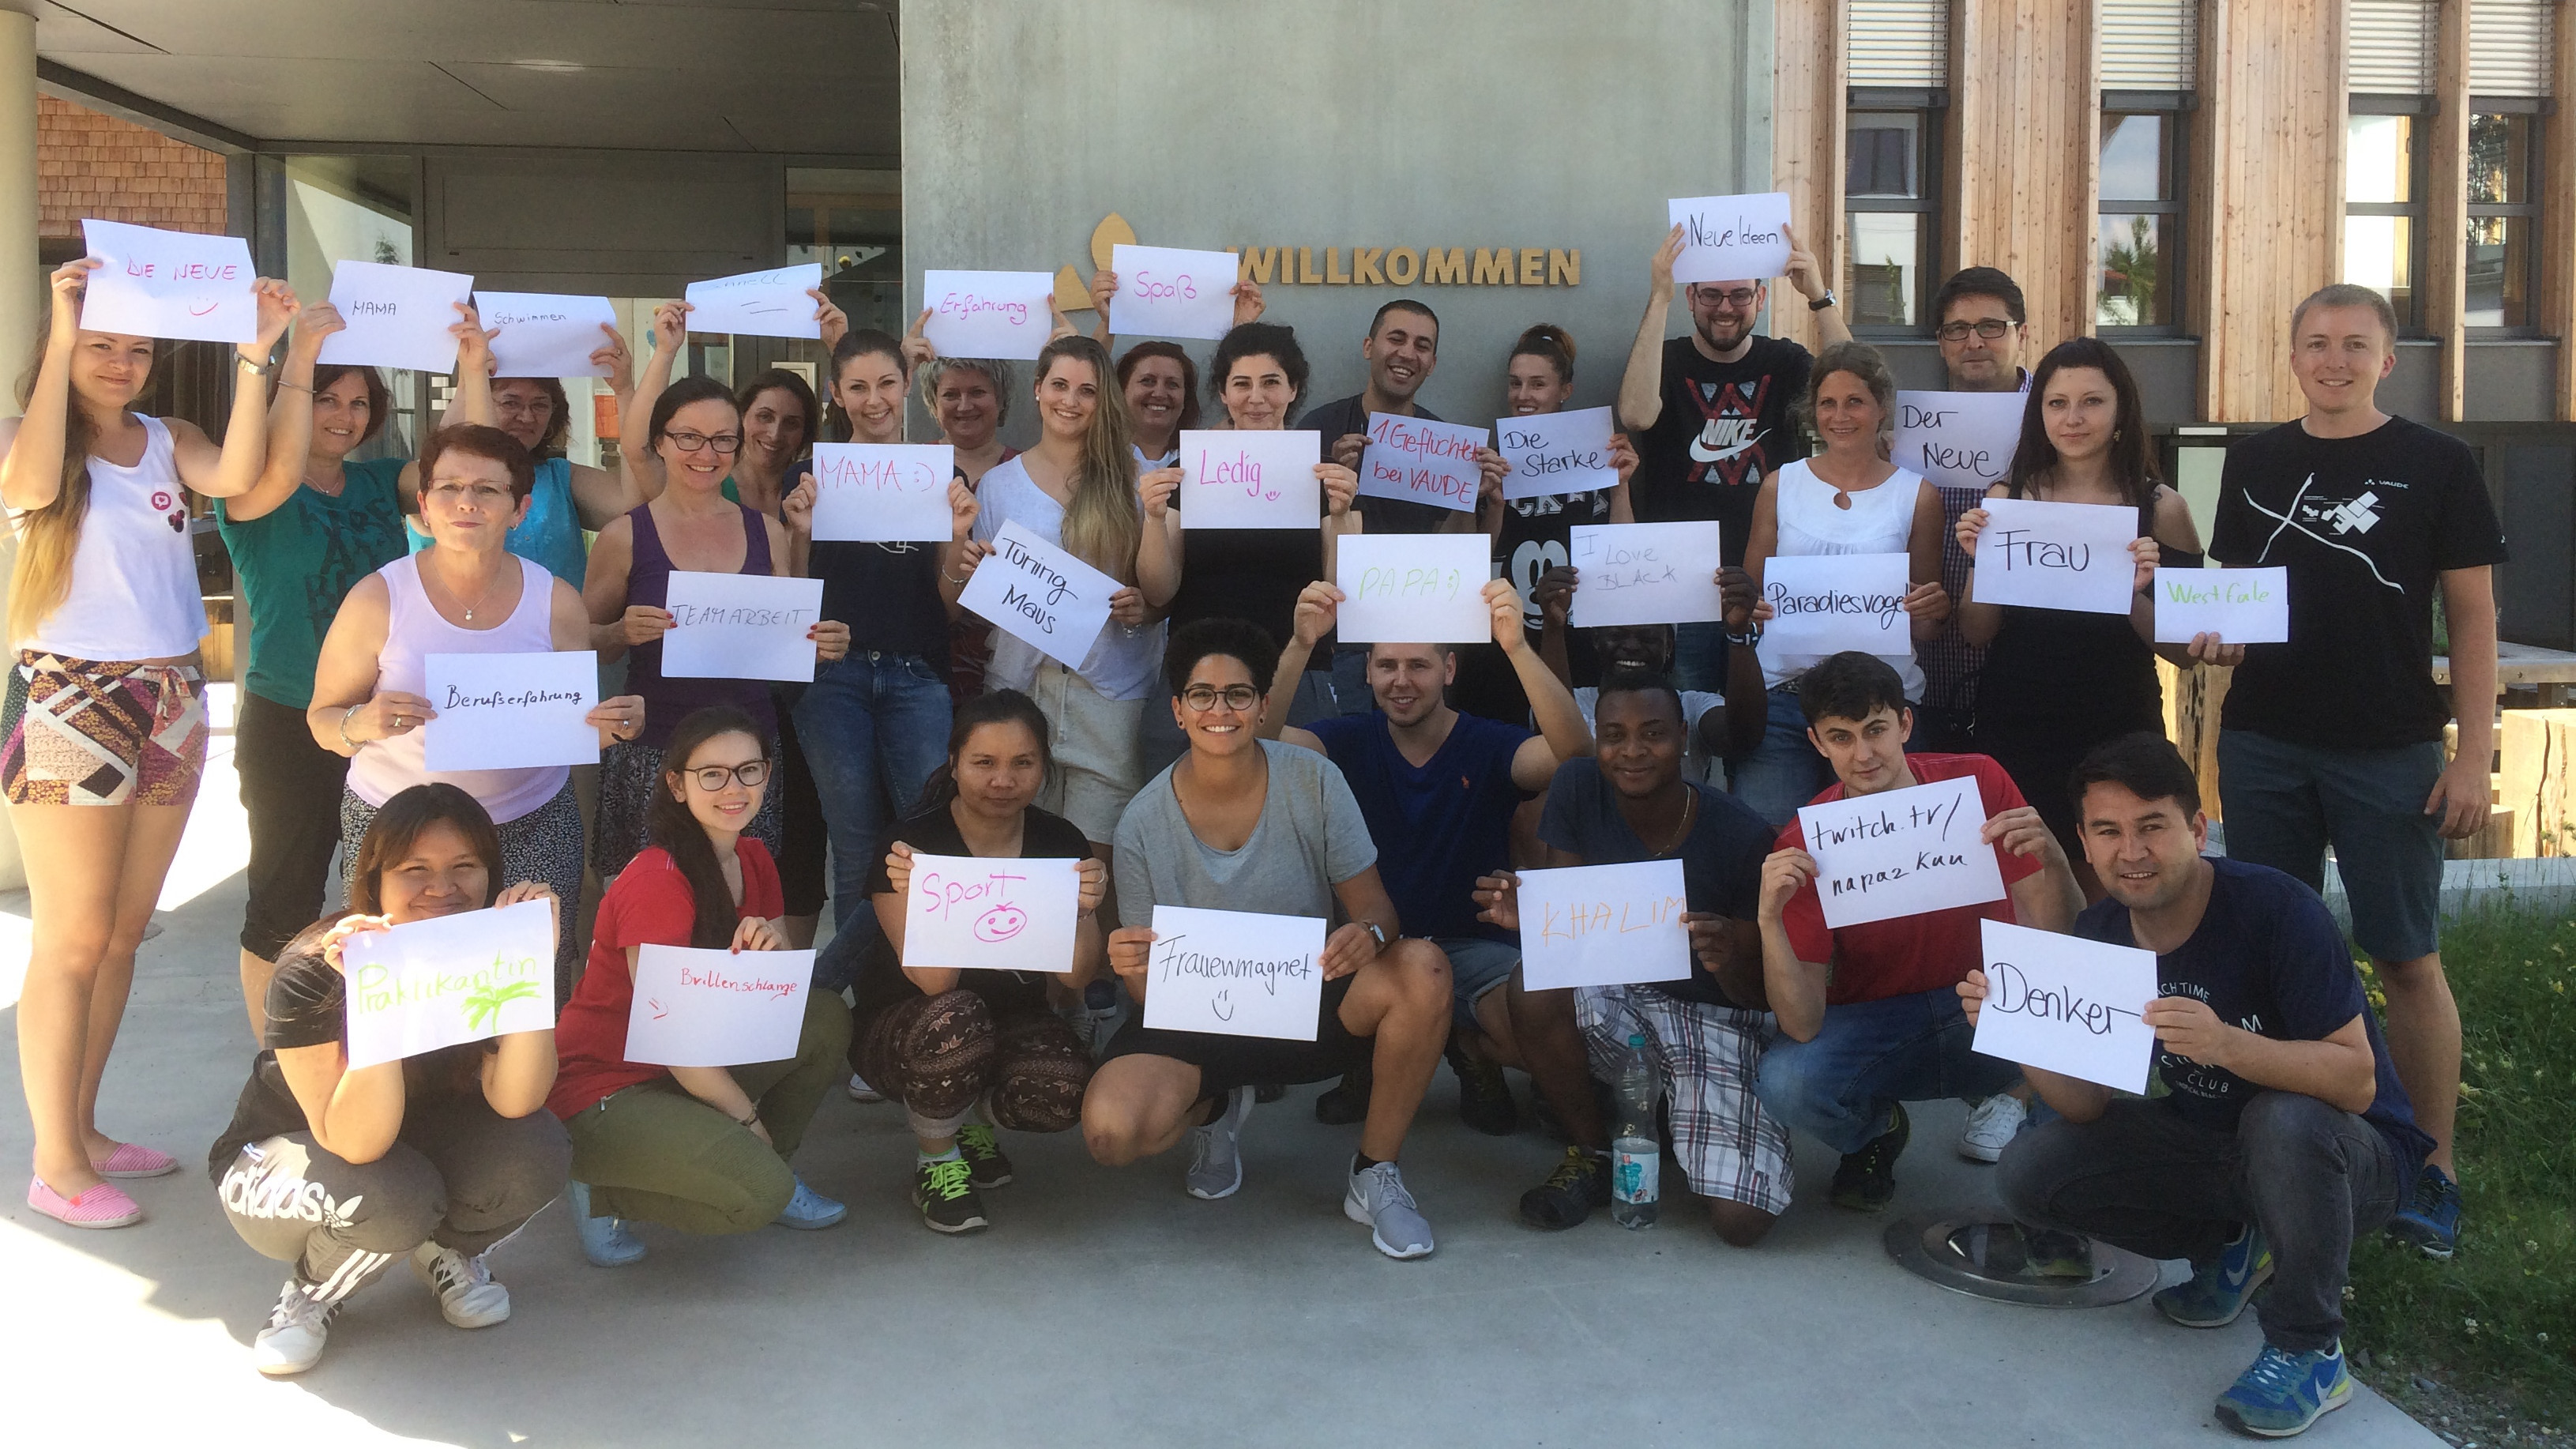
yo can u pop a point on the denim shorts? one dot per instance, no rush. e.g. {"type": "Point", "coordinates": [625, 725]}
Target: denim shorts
{"type": "Point", "coordinates": [1477, 964]}
{"type": "Point", "coordinates": [2286, 803]}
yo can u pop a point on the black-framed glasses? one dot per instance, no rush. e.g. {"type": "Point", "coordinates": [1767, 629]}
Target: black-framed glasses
{"type": "Point", "coordinates": [713, 777]}
{"type": "Point", "coordinates": [1237, 697]}
{"type": "Point", "coordinates": [1740, 297]}
{"type": "Point", "coordinates": [725, 444]}
{"type": "Point", "coordinates": [1990, 328]}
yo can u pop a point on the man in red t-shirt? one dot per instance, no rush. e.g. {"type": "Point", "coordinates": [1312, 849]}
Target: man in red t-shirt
{"type": "Point", "coordinates": [1869, 1014]}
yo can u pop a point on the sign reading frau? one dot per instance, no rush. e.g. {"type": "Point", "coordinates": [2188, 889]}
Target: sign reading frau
{"type": "Point", "coordinates": [1355, 266]}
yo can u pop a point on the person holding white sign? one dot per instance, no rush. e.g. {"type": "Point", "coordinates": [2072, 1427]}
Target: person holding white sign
{"type": "Point", "coordinates": [102, 762]}
{"type": "Point", "coordinates": [1713, 734]}
{"type": "Point", "coordinates": [779, 416]}
{"type": "Point", "coordinates": [1247, 824]}
{"type": "Point", "coordinates": [1867, 1015]}
{"type": "Point", "coordinates": [964, 1051]}
{"type": "Point", "coordinates": [970, 400]}
{"type": "Point", "coordinates": [2283, 1132]}
{"type": "Point", "coordinates": [701, 1149]}
{"type": "Point", "coordinates": [440, 1157]}
{"type": "Point", "coordinates": [1401, 349]}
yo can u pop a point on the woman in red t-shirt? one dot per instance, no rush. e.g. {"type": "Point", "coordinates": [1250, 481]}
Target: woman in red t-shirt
{"type": "Point", "coordinates": [699, 1148]}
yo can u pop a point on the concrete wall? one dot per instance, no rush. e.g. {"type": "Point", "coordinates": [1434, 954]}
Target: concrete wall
{"type": "Point", "coordinates": [1340, 123]}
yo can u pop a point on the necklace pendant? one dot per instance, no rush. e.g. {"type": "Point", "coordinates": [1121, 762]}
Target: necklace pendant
{"type": "Point", "coordinates": [469, 616]}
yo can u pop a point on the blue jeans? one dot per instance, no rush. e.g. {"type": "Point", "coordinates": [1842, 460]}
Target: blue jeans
{"type": "Point", "coordinates": [1784, 771]}
{"type": "Point", "coordinates": [1869, 1055]}
{"type": "Point", "coordinates": [874, 727]}
{"type": "Point", "coordinates": [1699, 657]}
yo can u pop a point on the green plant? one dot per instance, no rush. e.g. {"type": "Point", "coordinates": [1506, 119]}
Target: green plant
{"type": "Point", "coordinates": [489, 1001]}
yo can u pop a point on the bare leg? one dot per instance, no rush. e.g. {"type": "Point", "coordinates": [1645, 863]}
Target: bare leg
{"type": "Point", "coordinates": [73, 855]}
{"type": "Point", "coordinates": [151, 844]}
{"type": "Point", "coordinates": [1138, 1107]}
{"type": "Point", "coordinates": [2424, 1045]}
{"type": "Point", "coordinates": [1552, 1051]}
{"type": "Point", "coordinates": [1492, 1036]}
{"type": "Point", "coordinates": [1402, 1000]}
{"type": "Point", "coordinates": [1740, 1224]}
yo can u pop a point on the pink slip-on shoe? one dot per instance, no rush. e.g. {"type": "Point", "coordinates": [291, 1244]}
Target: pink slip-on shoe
{"type": "Point", "coordinates": [133, 1159]}
{"type": "Point", "coordinates": [103, 1206]}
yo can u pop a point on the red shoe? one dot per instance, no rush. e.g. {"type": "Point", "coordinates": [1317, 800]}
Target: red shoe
{"type": "Point", "coordinates": [133, 1159]}
{"type": "Point", "coordinates": [103, 1206]}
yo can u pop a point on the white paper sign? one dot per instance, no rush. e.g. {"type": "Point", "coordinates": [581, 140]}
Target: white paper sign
{"type": "Point", "coordinates": [1556, 452]}
{"type": "Point", "coordinates": [451, 979]}
{"type": "Point", "coordinates": [991, 915]}
{"type": "Point", "coordinates": [1645, 573]}
{"type": "Point", "coordinates": [545, 334]}
{"type": "Point", "coordinates": [1731, 238]}
{"type": "Point", "coordinates": [397, 316]}
{"type": "Point", "coordinates": [1901, 852]}
{"type": "Point", "coordinates": [173, 284]}
{"type": "Point", "coordinates": [510, 711]}
{"type": "Point", "coordinates": [1828, 602]}
{"type": "Point", "coordinates": [757, 304]}
{"type": "Point", "coordinates": [1040, 595]}
{"type": "Point", "coordinates": [1604, 925]}
{"type": "Point", "coordinates": [2241, 606]}
{"type": "Point", "coordinates": [2068, 1005]}
{"type": "Point", "coordinates": [1251, 480]}
{"type": "Point", "coordinates": [1958, 439]}
{"type": "Point", "coordinates": [988, 314]}
{"type": "Point", "coordinates": [2057, 556]}
{"type": "Point", "coordinates": [1413, 588]}
{"type": "Point", "coordinates": [883, 492]}
{"type": "Point", "coordinates": [1169, 292]}
{"type": "Point", "coordinates": [741, 626]}
{"type": "Point", "coordinates": [716, 1008]}
{"type": "Point", "coordinates": [1235, 973]}
{"type": "Point", "coordinates": [1421, 461]}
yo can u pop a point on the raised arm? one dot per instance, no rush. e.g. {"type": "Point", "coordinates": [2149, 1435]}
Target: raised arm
{"type": "Point", "coordinates": [1808, 279]}
{"type": "Point", "coordinates": [290, 419]}
{"type": "Point", "coordinates": [234, 468]}
{"type": "Point", "coordinates": [1979, 623]}
{"type": "Point", "coordinates": [1562, 734]}
{"type": "Point", "coordinates": [1796, 986]}
{"type": "Point", "coordinates": [644, 472]}
{"type": "Point", "coordinates": [1641, 387]}
{"type": "Point", "coordinates": [1318, 605]}
{"type": "Point", "coordinates": [1158, 546]}
{"type": "Point", "coordinates": [472, 400]}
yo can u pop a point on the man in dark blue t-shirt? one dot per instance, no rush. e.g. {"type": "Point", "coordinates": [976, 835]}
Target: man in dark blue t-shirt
{"type": "Point", "coordinates": [2283, 1130]}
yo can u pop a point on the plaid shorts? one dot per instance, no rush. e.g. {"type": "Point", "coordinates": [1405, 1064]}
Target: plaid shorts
{"type": "Point", "coordinates": [1728, 1146]}
{"type": "Point", "coordinates": [85, 733]}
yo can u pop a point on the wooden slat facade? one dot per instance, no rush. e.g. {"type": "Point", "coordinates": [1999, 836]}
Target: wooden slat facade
{"type": "Point", "coordinates": [1807, 103]}
{"type": "Point", "coordinates": [2446, 215]}
{"type": "Point", "coordinates": [2558, 215]}
{"type": "Point", "coordinates": [2024, 142]}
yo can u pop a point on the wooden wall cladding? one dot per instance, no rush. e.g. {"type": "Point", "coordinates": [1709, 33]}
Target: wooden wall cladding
{"type": "Point", "coordinates": [2025, 136]}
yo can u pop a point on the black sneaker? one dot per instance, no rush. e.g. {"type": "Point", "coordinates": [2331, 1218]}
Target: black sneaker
{"type": "Point", "coordinates": [1269, 1091]}
{"type": "Point", "coordinates": [1484, 1094]}
{"type": "Point", "coordinates": [946, 1197]}
{"type": "Point", "coordinates": [1866, 1180]}
{"type": "Point", "coordinates": [1580, 1183]}
{"type": "Point", "coordinates": [986, 1167]}
{"type": "Point", "coordinates": [1345, 1104]}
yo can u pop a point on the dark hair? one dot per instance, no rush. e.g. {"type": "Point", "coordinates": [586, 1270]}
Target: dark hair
{"type": "Point", "coordinates": [781, 380]}
{"type": "Point", "coordinates": [2346, 294]}
{"type": "Point", "coordinates": [1549, 341]}
{"type": "Point", "coordinates": [1237, 639]}
{"type": "Point", "coordinates": [681, 394]}
{"type": "Point", "coordinates": [1992, 282]}
{"type": "Point", "coordinates": [1128, 361]}
{"type": "Point", "coordinates": [1407, 304]}
{"type": "Point", "coordinates": [1259, 339]}
{"type": "Point", "coordinates": [474, 440]}
{"type": "Point", "coordinates": [2145, 764]}
{"type": "Point", "coordinates": [1850, 685]}
{"type": "Point", "coordinates": [380, 401]}
{"type": "Point", "coordinates": [2132, 460]}
{"type": "Point", "coordinates": [1639, 681]}
{"type": "Point", "coordinates": [561, 423]}
{"type": "Point", "coordinates": [1002, 706]}
{"type": "Point", "coordinates": [668, 824]}
{"type": "Point", "coordinates": [399, 824]}
{"type": "Point", "coordinates": [856, 343]}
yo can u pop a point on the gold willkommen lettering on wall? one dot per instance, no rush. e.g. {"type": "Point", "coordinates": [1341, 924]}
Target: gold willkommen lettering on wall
{"type": "Point", "coordinates": [1460, 266]}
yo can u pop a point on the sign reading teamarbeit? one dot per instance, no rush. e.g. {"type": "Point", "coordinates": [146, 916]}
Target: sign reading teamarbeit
{"type": "Point", "coordinates": [1901, 852]}
{"type": "Point", "coordinates": [1645, 573]}
{"type": "Point", "coordinates": [510, 711]}
{"type": "Point", "coordinates": [1958, 439]}
{"type": "Point", "coordinates": [991, 915]}
{"type": "Point", "coordinates": [1826, 603]}
{"type": "Point", "coordinates": [1171, 292]}
{"type": "Point", "coordinates": [545, 334]}
{"type": "Point", "coordinates": [1251, 479]}
{"type": "Point", "coordinates": [2240, 606]}
{"type": "Point", "coordinates": [1731, 238]}
{"type": "Point", "coordinates": [1557, 453]}
{"type": "Point", "coordinates": [758, 304]}
{"type": "Point", "coordinates": [2068, 1005]}
{"type": "Point", "coordinates": [696, 1008]}
{"type": "Point", "coordinates": [1421, 461]}
{"type": "Point", "coordinates": [2072, 556]}
{"type": "Point", "coordinates": [1235, 973]}
{"type": "Point", "coordinates": [989, 314]}
{"type": "Point", "coordinates": [741, 626]}
{"type": "Point", "coordinates": [451, 979]}
{"type": "Point", "coordinates": [173, 284]}
{"type": "Point", "coordinates": [883, 492]}
{"type": "Point", "coordinates": [1413, 588]}
{"type": "Point", "coordinates": [396, 316]}
{"type": "Point", "coordinates": [1040, 595]}
{"type": "Point", "coordinates": [1604, 925]}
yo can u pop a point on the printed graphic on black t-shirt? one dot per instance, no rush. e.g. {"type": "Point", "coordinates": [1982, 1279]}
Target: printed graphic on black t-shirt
{"type": "Point", "coordinates": [1724, 428]}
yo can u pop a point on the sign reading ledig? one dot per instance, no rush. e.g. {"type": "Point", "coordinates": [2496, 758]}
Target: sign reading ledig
{"type": "Point", "coordinates": [1235, 973]}
{"type": "Point", "coordinates": [2072, 556]}
{"type": "Point", "coordinates": [1828, 602]}
{"type": "Point", "coordinates": [698, 1008]}
{"type": "Point", "coordinates": [758, 304]}
{"type": "Point", "coordinates": [979, 914]}
{"type": "Point", "coordinates": [2068, 1005]}
{"type": "Point", "coordinates": [545, 334]}
{"type": "Point", "coordinates": [2240, 606]}
{"type": "Point", "coordinates": [172, 284]}
{"type": "Point", "coordinates": [741, 626]}
{"type": "Point", "coordinates": [1001, 315]}
{"type": "Point", "coordinates": [1171, 292]}
{"type": "Point", "coordinates": [1040, 595]}
{"type": "Point", "coordinates": [1413, 588]}
{"type": "Point", "coordinates": [1557, 453]}
{"type": "Point", "coordinates": [1250, 480]}
{"type": "Point", "coordinates": [1901, 853]}
{"type": "Point", "coordinates": [451, 979]}
{"type": "Point", "coordinates": [397, 316]}
{"type": "Point", "coordinates": [883, 492]}
{"type": "Point", "coordinates": [1645, 573]}
{"type": "Point", "coordinates": [1731, 238]}
{"type": "Point", "coordinates": [510, 711]}
{"type": "Point", "coordinates": [1604, 925]}
{"type": "Point", "coordinates": [1958, 439]}
{"type": "Point", "coordinates": [1421, 461]}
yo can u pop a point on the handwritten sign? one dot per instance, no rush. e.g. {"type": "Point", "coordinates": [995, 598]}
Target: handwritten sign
{"type": "Point", "coordinates": [1413, 588]}
{"type": "Point", "coordinates": [741, 626]}
{"type": "Point", "coordinates": [1040, 595]}
{"type": "Point", "coordinates": [883, 492]}
{"type": "Point", "coordinates": [173, 284]}
{"type": "Point", "coordinates": [988, 314]}
{"type": "Point", "coordinates": [435, 983]}
{"type": "Point", "coordinates": [545, 334]}
{"type": "Point", "coordinates": [1250, 480]}
{"type": "Point", "coordinates": [1958, 439]}
{"type": "Point", "coordinates": [1421, 461]}
{"type": "Point", "coordinates": [1901, 853]}
{"type": "Point", "coordinates": [1557, 453]}
{"type": "Point", "coordinates": [991, 915]}
{"type": "Point", "coordinates": [2068, 1005]}
{"type": "Point", "coordinates": [510, 711]}
{"type": "Point", "coordinates": [1731, 238]}
{"type": "Point", "coordinates": [1828, 602]}
{"type": "Point", "coordinates": [1235, 973]}
{"type": "Point", "coordinates": [2241, 606]}
{"type": "Point", "coordinates": [2071, 556]}
{"type": "Point", "coordinates": [397, 316]}
{"type": "Point", "coordinates": [716, 1008]}
{"type": "Point", "coordinates": [1603, 925]}
{"type": "Point", "coordinates": [1169, 292]}
{"type": "Point", "coordinates": [1645, 573]}
{"type": "Point", "coordinates": [757, 304]}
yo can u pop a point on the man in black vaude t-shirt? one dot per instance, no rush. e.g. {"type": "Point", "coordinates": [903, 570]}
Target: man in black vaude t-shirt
{"type": "Point", "coordinates": [2335, 738]}
{"type": "Point", "coordinates": [1709, 411]}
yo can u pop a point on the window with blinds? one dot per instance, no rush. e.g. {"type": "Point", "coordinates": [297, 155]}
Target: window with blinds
{"type": "Point", "coordinates": [2390, 47]}
{"type": "Point", "coordinates": [2149, 45]}
{"type": "Point", "coordinates": [2509, 47]}
{"type": "Point", "coordinates": [1898, 43]}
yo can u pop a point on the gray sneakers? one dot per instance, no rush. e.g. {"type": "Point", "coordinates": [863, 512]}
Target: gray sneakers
{"type": "Point", "coordinates": [1378, 1198]}
{"type": "Point", "coordinates": [1216, 1156]}
{"type": "Point", "coordinates": [467, 1296]}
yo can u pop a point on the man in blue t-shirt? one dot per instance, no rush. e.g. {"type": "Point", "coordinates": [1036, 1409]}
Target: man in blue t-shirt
{"type": "Point", "coordinates": [1438, 789]}
{"type": "Point", "coordinates": [2283, 1131]}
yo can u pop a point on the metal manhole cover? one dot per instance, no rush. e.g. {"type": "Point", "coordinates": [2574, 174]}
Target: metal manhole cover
{"type": "Point", "coordinates": [1978, 1251]}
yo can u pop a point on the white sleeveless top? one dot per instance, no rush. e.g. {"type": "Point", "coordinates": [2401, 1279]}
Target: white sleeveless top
{"type": "Point", "coordinates": [413, 631]}
{"type": "Point", "coordinates": [134, 574]}
{"type": "Point", "coordinates": [1880, 520]}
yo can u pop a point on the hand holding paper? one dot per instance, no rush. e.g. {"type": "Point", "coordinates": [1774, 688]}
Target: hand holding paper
{"type": "Point", "coordinates": [1170, 292]}
{"type": "Point", "coordinates": [1731, 238]}
{"type": "Point", "coordinates": [2067, 1005]}
{"type": "Point", "coordinates": [1414, 588]}
{"type": "Point", "coordinates": [1006, 315]}
{"type": "Point", "coordinates": [173, 284]}
{"type": "Point", "coordinates": [1603, 925]}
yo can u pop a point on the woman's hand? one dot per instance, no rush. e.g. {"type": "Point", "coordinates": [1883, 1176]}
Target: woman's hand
{"type": "Point", "coordinates": [1623, 457]}
{"type": "Point", "coordinates": [1498, 900]}
{"type": "Point", "coordinates": [1104, 285]}
{"type": "Point", "coordinates": [962, 510]}
{"type": "Point", "coordinates": [1127, 607]}
{"type": "Point", "coordinates": [831, 640]}
{"type": "Point", "coordinates": [277, 307]}
{"type": "Point", "coordinates": [831, 321]}
{"type": "Point", "coordinates": [620, 718]}
{"type": "Point", "coordinates": [1157, 489]}
{"type": "Point", "coordinates": [796, 510]}
{"type": "Point", "coordinates": [2149, 554]}
{"type": "Point", "coordinates": [1927, 603]}
{"type": "Point", "coordinates": [612, 354]}
{"type": "Point", "coordinates": [1341, 487]}
{"type": "Point", "coordinates": [752, 933]}
{"type": "Point", "coordinates": [1248, 305]}
{"type": "Point", "coordinates": [643, 624]}
{"type": "Point", "coordinates": [969, 554]}
{"type": "Point", "coordinates": [1971, 523]}
{"type": "Point", "coordinates": [916, 347]}
{"type": "Point", "coordinates": [898, 864]}
{"type": "Point", "coordinates": [338, 936]}
{"type": "Point", "coordinates": [1347, 950]}
{"type": "Point", "coordinates": [70, 283]}
{"type": "Point", "coordinates": [671, 327]}
{"type": "Point", "coordinates": [315, 324]}
{"type": "Point", "coordinates": [526, 890]}
{"type": "Point", "coordinates": [1064, 327]}
{"type": "Point", "coordinates": [1491, 469]}
{"type": "Point", "coordinates": [385, 716]}
{"type": "Point", "coordinates": [473, 344]}
{"type": "Point", "coordinates": [1131, 949]}
{"type": "Point", "coordinates": [1092, 884]}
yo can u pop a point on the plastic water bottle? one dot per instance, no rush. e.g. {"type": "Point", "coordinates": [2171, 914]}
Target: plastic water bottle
{"type": "Point", "coordinates": [1636, 1153]}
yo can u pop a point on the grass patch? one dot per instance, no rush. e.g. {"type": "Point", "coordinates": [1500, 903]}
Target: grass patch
{"type": "Point", "coordinates": [2499, 1319]}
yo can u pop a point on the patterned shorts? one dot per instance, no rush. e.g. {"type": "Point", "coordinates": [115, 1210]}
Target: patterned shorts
{"type": "Point", "coordinates": [85, 733]}
{"type": "Point", "coordinates": [1709, 1055]}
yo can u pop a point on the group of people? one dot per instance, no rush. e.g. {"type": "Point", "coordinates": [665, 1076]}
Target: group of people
{"type": "Point", "coordinates": [1218, 748]}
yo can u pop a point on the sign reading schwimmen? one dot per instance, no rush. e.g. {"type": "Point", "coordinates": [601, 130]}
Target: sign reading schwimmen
{"type": "Point", "coordinates": [545, 334]}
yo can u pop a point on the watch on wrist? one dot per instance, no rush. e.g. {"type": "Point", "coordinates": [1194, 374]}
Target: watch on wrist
{"type": "Point", "coordinates": [1377, 933]}
{"type": "Point", "coordinates": [1821, 303]}
{"type": "Point", "coordinates": [1746, 640]}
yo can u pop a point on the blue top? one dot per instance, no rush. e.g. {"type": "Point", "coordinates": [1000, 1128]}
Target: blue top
{"type": "Point", "coordinates": [1438, 827]}
{"type": "Point", "coordinates": [551, 533]}
{"type": "Point", "coordinates": [296, 563]}
{"type": "Point", "coordinates": [1721, 857]}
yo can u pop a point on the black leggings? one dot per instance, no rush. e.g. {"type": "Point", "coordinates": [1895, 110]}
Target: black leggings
{"type": "Point", "coordinates": [290, 789]}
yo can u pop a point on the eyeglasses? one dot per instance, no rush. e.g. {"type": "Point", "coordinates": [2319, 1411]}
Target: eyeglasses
{"type": "Point", "coordinates": [453, 491]}
{"type": "Point", "coordinates": [725, 444]}
{"type": "Point", "coordinates": [713, 777]}
{"type": "Point", "coordinates": [1990, 329]}
{"type": "Point", "coordinates": [1237, 697]}
{"type": "Point", "coordinates": [1741, 297]}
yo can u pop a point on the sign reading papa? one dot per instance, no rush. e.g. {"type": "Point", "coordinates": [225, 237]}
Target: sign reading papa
{"type": "Point", "coordinates": [453, 979]}
{"type": "Point", "coordinates": [1040, 595]}
{"type": "Point", "coordinates": [1413, 588]}
{"type": "Point", "coordinates": [1901, 852]}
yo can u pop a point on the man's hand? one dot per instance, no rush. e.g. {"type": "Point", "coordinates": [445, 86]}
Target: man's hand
{"type": "Point", "coordinates": [1554, 593]}
{"type": "Point", "coordinates": [2462, 798]}
{"type": "Point", "coordinates": [1712, 944]}
{"type": "Point", "coordinates": [2212, 649]}
{"type": "Point", "coordinates": [1803, 272]}
{"type": "Point", "coordinates": [1784, 874]}
{"type": "Point", "coordinates": [1972, 994]}
{"type": "Point", "coordinates": [1498, 900]}
{"type": "Point", "coordinates": [1347, 448]}
{"type": "Point", "coordinates": [1737, 599]}
{"type": "Point", "coordinates": [1505, 606]}
{"type": "Point", "coordinates": [2020, 831]}
{"type": "Point", "coordinates": [1318, 605]}
{"type": "Point", "coordinates": [2190, 1030]}
{"type": "Point", "coordinates": [1659, 269]}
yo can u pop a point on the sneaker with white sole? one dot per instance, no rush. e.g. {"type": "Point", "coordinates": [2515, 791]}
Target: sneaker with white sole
{"type": "Point", "coordinates": [808, 1210]}
{"type": "Point", "coordinates": [860, 1091]}
{"type": "Point", "coordinates": [467, 1296]}
{"type": "Point", "coordinates": [604, 1240]}
{"type": "Point", "coordinates": [298, 1328]}
{"type": "Point", "coordinates": [1991, 1127]}
{"type": "Point", "coordinates": [1378, 1198]}
{"type": "Point", "coordinates": [1216, 1150]}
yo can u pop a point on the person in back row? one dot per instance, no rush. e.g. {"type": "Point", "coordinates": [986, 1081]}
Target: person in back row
{"type": "Point", "coordinates": [1246, 824]}
{"type": "Point", "coordinates": [1712, 734]}
{"type": "Point", "coordinates": [1978, 320]}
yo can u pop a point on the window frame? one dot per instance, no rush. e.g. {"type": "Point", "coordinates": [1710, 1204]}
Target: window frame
{"type": "Point", "coordinates": [2176, 107]}
{"type": "Point", "coordinates": [2536, 139]}
{"type": "Point", "coordinates": [1930, 107]}
{"type": "Point", "coordinates": [2419, 166]}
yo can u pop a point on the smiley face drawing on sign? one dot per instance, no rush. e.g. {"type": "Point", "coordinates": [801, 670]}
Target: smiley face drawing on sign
{"type": "Point", "coordinates": [1001, 923]}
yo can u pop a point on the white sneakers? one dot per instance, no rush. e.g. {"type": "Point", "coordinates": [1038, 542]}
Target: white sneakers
{"type": "Point", "coordinates": [467, 1296]}
{"type": "Point", "coordinates": [860, 1091]}
{"type": "Point", "coordinates": [1991, 1126]}
{"type": "Point", "coordinates": [298, 1327]}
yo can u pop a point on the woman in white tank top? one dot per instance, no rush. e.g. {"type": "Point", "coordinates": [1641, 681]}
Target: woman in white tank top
{"type": "Point", "coordinates": [105, 728]}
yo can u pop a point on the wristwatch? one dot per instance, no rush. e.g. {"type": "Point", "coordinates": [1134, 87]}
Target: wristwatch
{"type": "Point", "coordinates": [1746, 640]}
{"type": "Point", "coordinates": [1821, 303]}
{"type": "Point", "coordinates": [1377, 933]}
